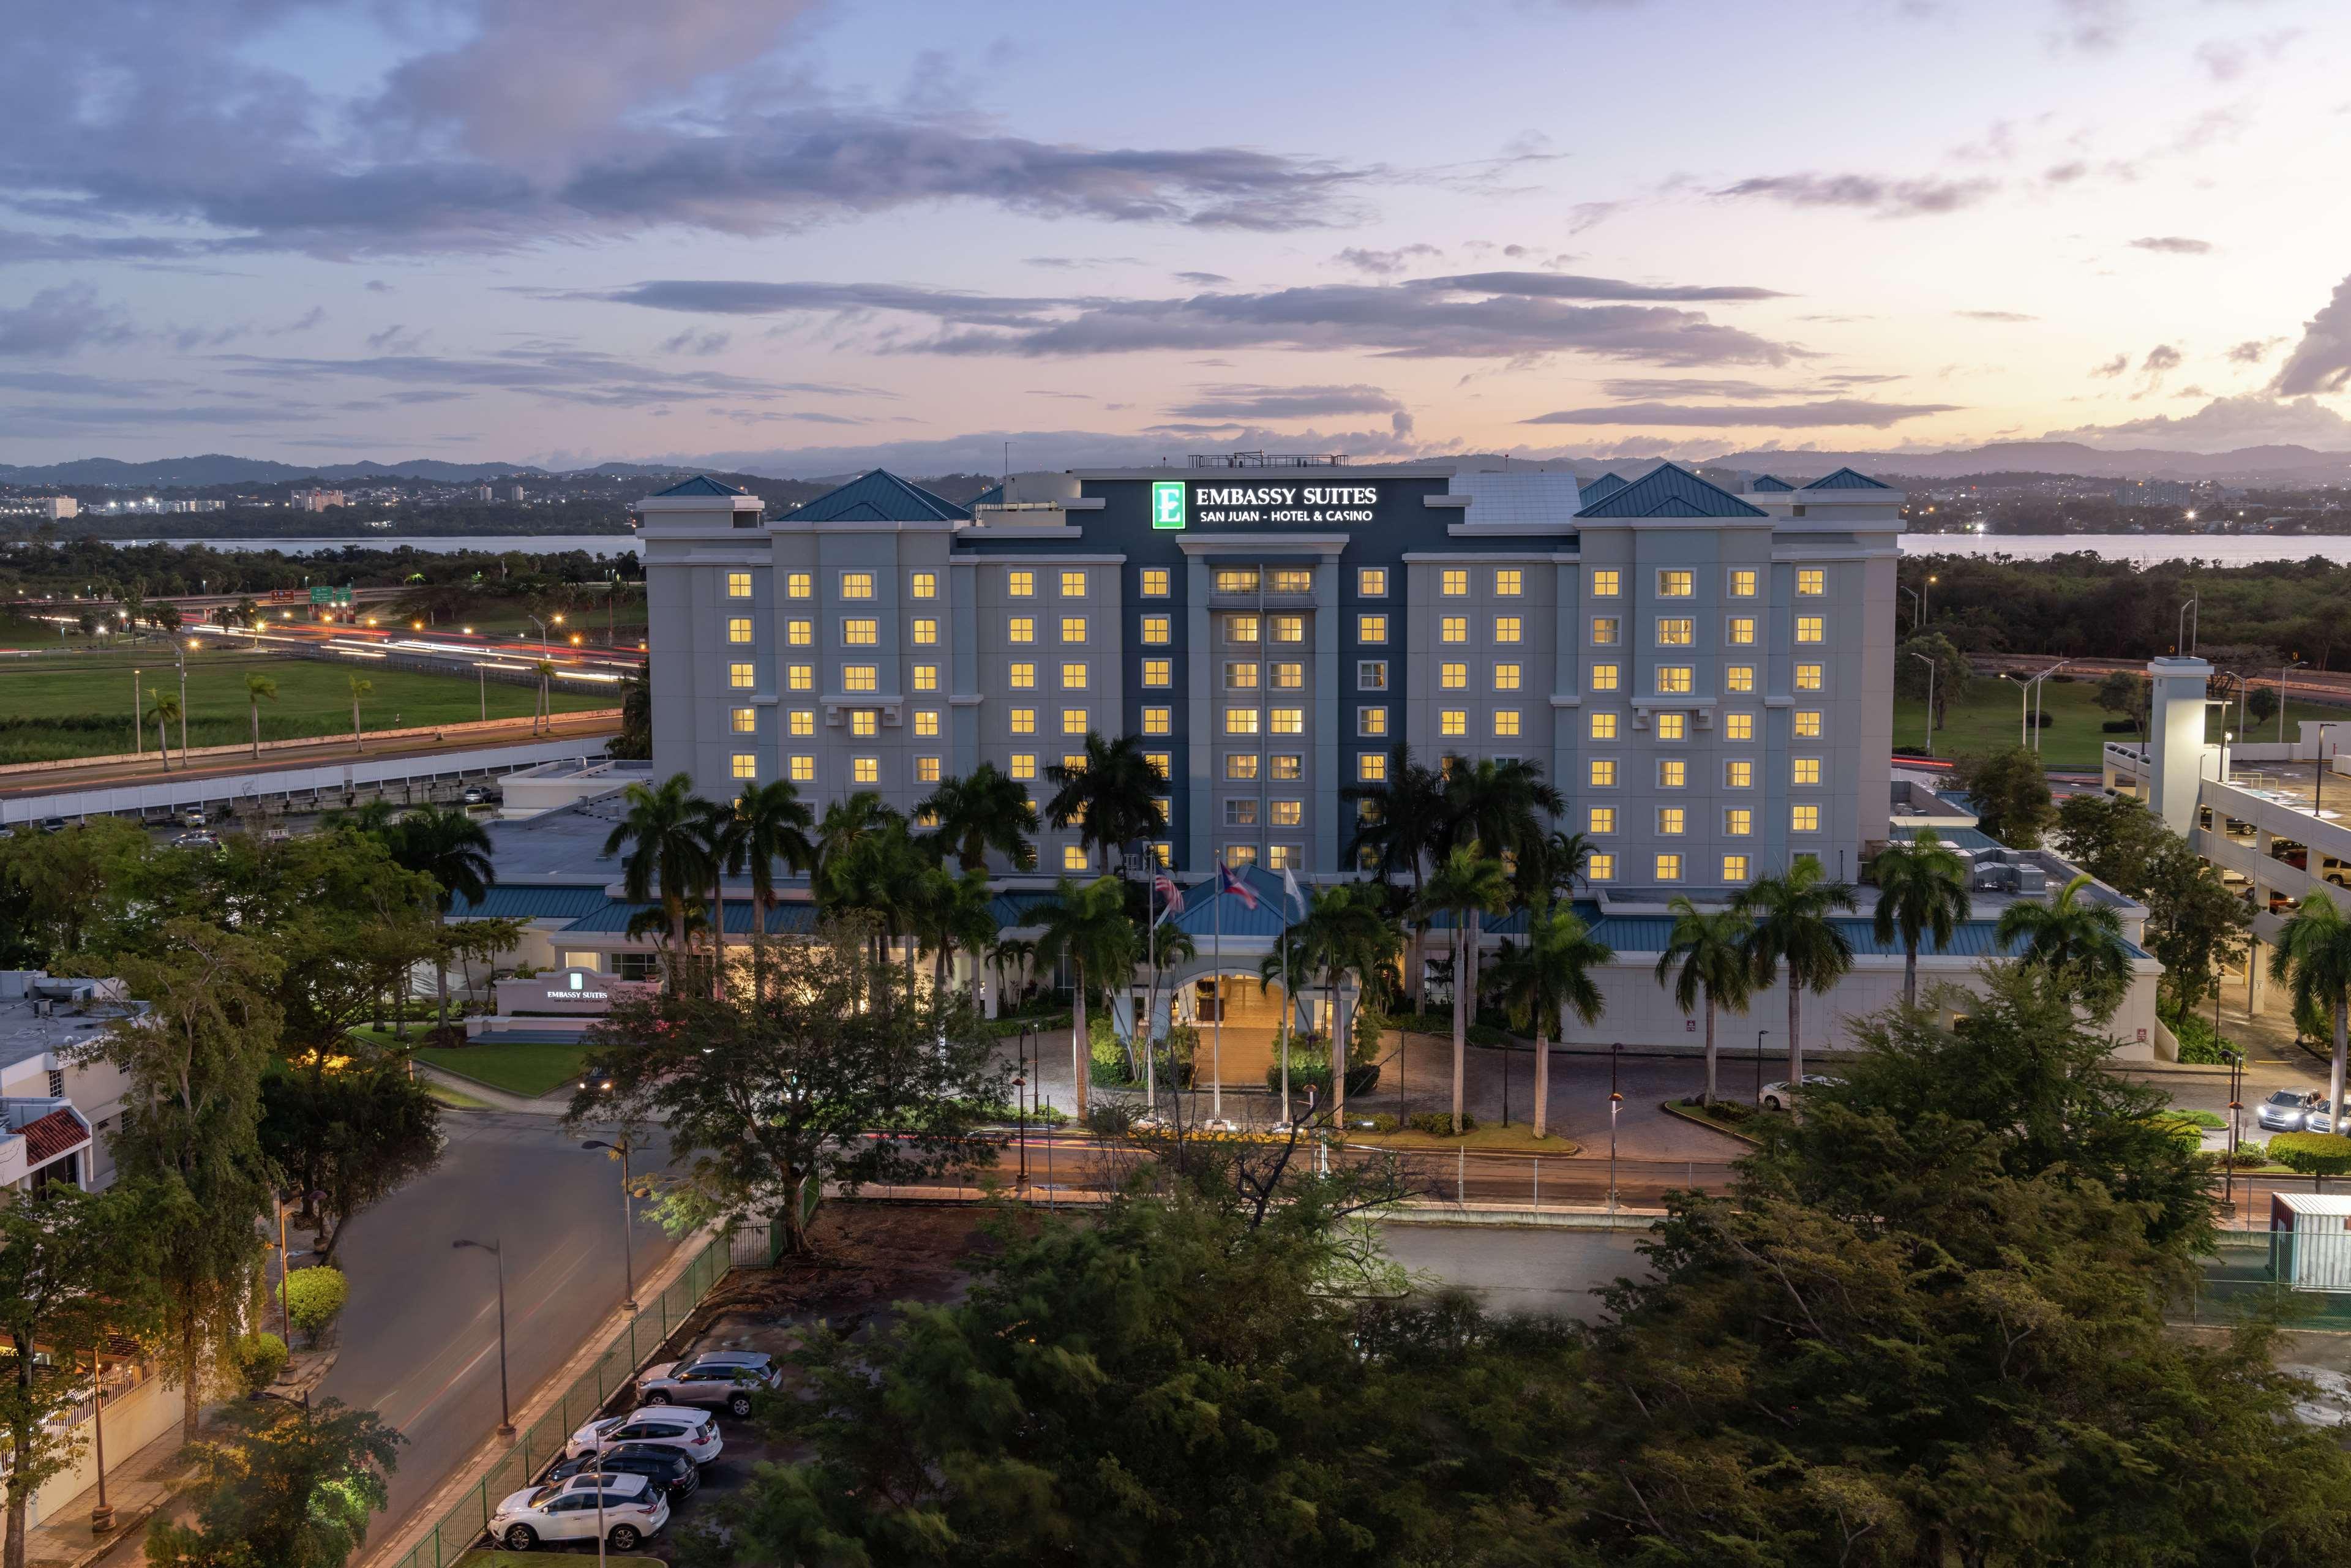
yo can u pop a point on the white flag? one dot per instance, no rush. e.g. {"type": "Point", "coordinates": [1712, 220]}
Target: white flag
{"type": "Point", "coordinates": [1290, 889]}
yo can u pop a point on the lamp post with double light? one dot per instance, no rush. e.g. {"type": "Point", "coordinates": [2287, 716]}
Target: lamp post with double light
{"type": "Point", "coordinates": [628, 1215]}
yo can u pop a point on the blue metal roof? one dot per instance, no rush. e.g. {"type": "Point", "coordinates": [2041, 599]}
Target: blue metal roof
{"type": "Point", "coordinates": [1972, 939]}
{"type": "Point", "coordinates": [612, 916]}
{"type": "Point", "coordinates": [1206, 911]}
{"type": "Point", "coordinates": [881, 496]}
{"type": "Point", "coordinates": [701, 485]}
{"type": "Point", "coordinates": [1606, 485]}
{"type": "Point", "coordinates": [991, 496]}
{"type": "Point", "coordinates": [1771, 482]}
{"type": "Point", "coordinates": [1846, 479]}
{"type": "Point", "coordinates": [1668, 491]}
{"type": "Point", "coordinates": [525, 903]}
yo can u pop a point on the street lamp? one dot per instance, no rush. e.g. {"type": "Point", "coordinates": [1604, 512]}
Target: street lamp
{"type": "Point", "coordinates": [1918, 611]}
{"type": "Point", "coordinates": [1615, 1103]}
{"type": "Point", "coordinates": [505, 1410]}
{"type": "Point", "coordinates": [628, 1242]}
{"type": "Point", "coordinates": [1930, 700]}
{"type": "Point", "coordinates": [2297, 665]}
{"type": "Point", "coordinates": [1759, 1067]}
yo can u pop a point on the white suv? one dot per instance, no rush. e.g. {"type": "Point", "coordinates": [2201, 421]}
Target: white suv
{"type": "Point", "coordinates": [567, 1511]}
{"type": "Point", "coordinates": [724, 1380]}
{"type": "Point", "coordinates": [693, 1433]}
{"type": "Point", "coordinates": [1781, 1095]}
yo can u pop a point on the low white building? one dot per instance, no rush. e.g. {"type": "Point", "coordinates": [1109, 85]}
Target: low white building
{"type": "Point", "coordinates": [57, 1106]}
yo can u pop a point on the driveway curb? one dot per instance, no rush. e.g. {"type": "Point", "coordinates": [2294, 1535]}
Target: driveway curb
{"type": "Point", "coordinates": [1670, 1109]}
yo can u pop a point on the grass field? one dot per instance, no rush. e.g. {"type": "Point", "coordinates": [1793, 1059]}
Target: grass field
{"type": "Point", "coordinates": [1518, 1138]}
{"type": "Point", "coordinates": [522, 1066]}
{"type": "Point", "coordinates": [80, 704]}
{"type": "Point", "coordinates": [1986, 721]}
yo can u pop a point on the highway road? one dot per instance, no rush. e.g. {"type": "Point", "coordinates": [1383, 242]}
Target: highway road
{"type": "Point", "coordinates": [589, 727]}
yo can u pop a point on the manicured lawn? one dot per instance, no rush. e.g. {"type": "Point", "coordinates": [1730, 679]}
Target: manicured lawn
{"type": "Point", "coordinates": [525, 1068]}
{"type": "Point", "coordinates": [1986, 721]}
{"type": "Point", "coordinates": [80, 704]}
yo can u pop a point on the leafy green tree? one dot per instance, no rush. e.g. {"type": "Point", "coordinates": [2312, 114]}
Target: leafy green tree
{"type": "Point", "coordinates": [982, 810]}
{"type": "Point", "coordinates": [1398, 824]}
{"type": "Point", "coordinates": [452, 849]}
{"type": "Point", "coordinates": [766, 1101]}
{"type": "Point", "coordinates": [190, 1113]}
{"type": "Point", "coordinates": [1086, 923]}
{"type": "Point", "coordinates": [1111, 797]}
{"type": "Point", "coordinates": [2261, 705]}
{"type": "Point", "coordinates": [2194, 923]}
{"type": "Point", "coordinates": [2074, 935]}
{"type": "Point", "coordinates": [1706, 963]}
{"type": "Point", "coordinates": [76, 1269]}
{"type": "Point", "coordinates": [1952, 673]}
{"type": "Point", "coordinates": [2313, 959]}
{"type": "Point", "coordinates": [1466, 884]}
{"type": "Point", "coordinates": [1550, 977]}
{"type": "Point", "coordinates": [258, 689]}
{"type": "Point", "coordinates": [666, 858]}
{"type": "Point", "coordinates": [2114, 837]}
{"type": "Point", "coordinates": [1791, 929]}
{"type": "Point", "coordinates": [636, 739]}
{"type": "Point", "coordinates": [282, 1488]}
{"type": "Point", "coordinates": [353, 1136]}
{"type": "Point", "coordinates": [2010, 795]}
{"type": "Point", "coordinates": [1922, 890]}
{"type": "Point", "coordinates": [767, 823]}
{"type": "Point", "coordinates": [2124, 693]}
{"type": "Point", "coordinates": [2020, 1213]}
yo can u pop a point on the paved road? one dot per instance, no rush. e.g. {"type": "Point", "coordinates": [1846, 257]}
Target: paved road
{"type": "Point", "coordinates": [101, 775]}
{"type": "Point", "coordinates": [1515, 1270]}
{"type": "Point", "coordinates": [419, 1337]}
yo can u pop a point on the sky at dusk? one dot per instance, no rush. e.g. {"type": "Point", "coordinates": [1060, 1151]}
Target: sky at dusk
{"type": "Point", "coordinates": [800, 238]}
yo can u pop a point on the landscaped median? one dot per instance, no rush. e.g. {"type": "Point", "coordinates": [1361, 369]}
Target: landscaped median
{"type": "Point", "coordinates": [528, 1068]}
{"type": "Point", "coordinates": [1726, 1116]}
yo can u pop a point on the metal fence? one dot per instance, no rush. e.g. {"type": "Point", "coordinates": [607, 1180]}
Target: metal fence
{"type": "Point", "coordinates": [2307, 1276]}
{"type": "Point", "coordinates": [463, 1528]}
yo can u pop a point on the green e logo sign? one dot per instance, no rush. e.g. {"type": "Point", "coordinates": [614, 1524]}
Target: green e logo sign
{"type": "Point", "coordinates": [1167, 503]}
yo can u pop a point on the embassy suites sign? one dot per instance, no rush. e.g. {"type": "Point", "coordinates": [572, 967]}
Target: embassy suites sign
{"type": "Point", "coordinates": [1177, 503]}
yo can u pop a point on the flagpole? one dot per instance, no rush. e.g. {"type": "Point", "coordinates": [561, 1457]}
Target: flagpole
{"type": "Point", "coordinates": [1151, 1002]}
{"type": "Point", "coordinates": [1217, 1047]}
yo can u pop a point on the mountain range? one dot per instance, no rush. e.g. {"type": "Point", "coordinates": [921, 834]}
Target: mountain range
{"type": "Point", "coordinates": [2280, 465]}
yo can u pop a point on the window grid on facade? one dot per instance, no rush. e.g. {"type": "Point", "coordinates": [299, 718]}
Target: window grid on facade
{"type": "Point", "coordinates": [1073, 585]}
{"type": "Point", "coordinates": [926, 677]}
{"type": "Point", "coordinates": [746, 765]}
{"type": "Point", "coordinates": [1508, 583]}
{"type": "Point", "coordinates": [799, 585]}
{"type": "Point", "coordinates": [1370, 675]}
{"type": "Point", "coordinates": [1806, 725]}
{"type": "Point", "coordinates": [1600, 819]}
{"type": "Point", "coordinates": [1603, 677]}
{"type": "Point", "coordinates": [1073, 629]}
{"type": "Point", "coordinates": [1287, 720]}
{"type": "Point", "coordinates": [1505, 628]}
{"type": "Point", "coordinates": [1738, 821]}
{"type": "Point", "coordinates": [1743, 582]}
{"type": "Point", "coordinates": [1605, 630]}
{"type": "Point", "coordinates": [1291, 580]}
{"type": "Point", "coordinates": [1453, 677]}
{"type": "Point", "coordinates": [926, 723]}
{"type": "Point", "coordinates": [1157, 628]}
{"type": "Point", "coordinates": [1812, 627]}
{"type": "Point", "coordinates": [1506, 677]}
{"type": "Point", "coordinates": [860, 679]}
{"type": "Point", "coordinates": [799, 677]}
{"type": "Point", "coordinates": [1453, 629]}
{"type": "Point", "coordinates": [743, 720]}
{"type": "Point", "coordinates": [1734, 868]}
{"type": "Point", "coordinates": [865, 769]}
{"type": "Point", "coordinates": [1669, 868]}
{"type": "Point", "coordinates": [1155, 581]}
{"type": "Point", "coordinates": [1676, 583]}
{"type": "Point", "coordinates": [801, 634]}
{"type": "Point", "coordinates": [1023, 675]}
{"type": "Point", "coordinates": [1675, 632]}
{"type": "Point", "coordinates": [925, 632]}
{"type": "Point", "coordinates": [804, 721]}
{"type": "Point", "coordinates": [1024, 721]}
{"type": "Point", "coordinates": [1371, 628]}
{"type": "Point", "coordinates": [923, 585]}
{"type": "Point", "coordinates": [1506, 722]}
{"type": "Point", "coordinates": [739, 585]}
{"type": "Point", "coordinates": [1453, 721]}
{"type": "Point", "coordinates": [1808, 677]}
{"type": "Point", "coordinates": [1672, 820]}
{"type": "Point", "coordinates": [1606, 584]}
{"type": "Point", "coordinates": [1739, 727]}
{"type": "Point", "coordinates": [1603, 727]}
{"type": "Point", "coordinates": [1020, 629]}
{"type": "Point", "coordinates": [1073, 677]}
{"type": "Point", "coordinates": [1804, 770]}
{"type": "Point", "coordinates": [864, 722]}
{"type": "Point", "coordinates": [1738, 773]}
{"type": "Point", "coordinates": [1024, 765]}
{"type": "Point", "coordinates": [1241, 628]}
{"type": "Point", "coordinates": [1371, 721]}
{"type": "Point", "coordinates": [1673, 726]}
{"type": "Point", "coordinates": [858, 633]}
{"type": "Point", "coordinates": [1371, 767]}
{"type": "Point", "coordinates": [1372, 582]}
{"type": "Point", "coordinates": [803, 769]}
{"type": "Point", "coordinates": [1021, 584]}
{"type": "Point", "coordinates": [742, 677]}
{"type": "Point", "coordinates": [1599, 868]}
{"type": "Point", "coordinates": [1676, 680]}
{"type": "Point", "coordinates": [1738, 677]}
{"type": "Point", "coordinates": [1673, 772]}
{"type": "Point", "coordinates": [1602, 773]}
{"type": "Point", "coordinates": [1073, 721]}
{"type": "Point", "coordinates": [1453, 581]}
{"type": "Point", "coordinates": [1157, 720]}
{"type": "Point", "coordinates": [1812, 581]}
{"type": "Point", "coordinates": [1741, 631]}
{"type": "Point", "coordinates": [1805, 819]}
{"type": "Point", "coordinates": [1158, 672]}
{"type": "Point", "coordinates": [857, 585]}
{"type": "Point", "coordinates": [1289, 628]}
{"type": "Point", "coordinates": [926, 769]}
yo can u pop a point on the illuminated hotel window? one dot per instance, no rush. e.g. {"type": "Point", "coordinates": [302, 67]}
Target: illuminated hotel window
{"type": "Point", "coordinates": [859, 678]}
{"type": "Point", "coordinates": [926, 677]}
{"type": "Point", "coordinates": [1603, 677]}
{"type": "Point", "coordinates": [1669, 868]}
{"type": "Point", "coordinates": [1155, 582]}
{"type": "Point", "coordinates": [1599, 868]}
{"type": "Point", "coordinates": [1606, 584]}
{"type": "Point", "coordinates": [1021, 584]}
{"type": "Point", "coordinates": [803, 769]}
{"type": "Point", "coordinates": [1675, 584]}
{"type": "Point", "coordinates": [926, 631]}
{"type": "Point", "coordinates": [739, 585]}
{"type": "Point", "coordinates": [1453, 582]}
{"type": "Point", "coordinates": [1020, 629]}
{"type": "Point", "coordinates": [865, 769]}
{"type": "Point", "coordinates": [1507, 582]}
{"type": "Point", "coordinates": [923, 585]}
{"type": "Point", "coordinates": [746, 765]}
{"type": "Point", "coordinates": [1739, 727]}
{"type": "Point", "coordinates": [1673, 726]}
{"type": "Point", "coordinates": [1743, 582]}
{"type": "Point", "coordinates": [1453, 677]}
{"type": "Point", "coordinates": [741, 676]}
{"type": "Point", "coordinates": [1024, 675]}
{"type": "Point", "coordinates": [1371, 628]}
{"type": "Point", "coordinates": [744, 720]}
{"type": "Point", "coordinates": [804, 721]}
{"type": "Point", "coordinates": [857, 585]}
{"type": "Point", "coordinates": [1603, 773]}
{"type": "Point", "coordinates": [1603, 727]}
{"type": "Point", "coordinates": [799, 585]}
{"type": "Point", "coordinates": [1812, 581]}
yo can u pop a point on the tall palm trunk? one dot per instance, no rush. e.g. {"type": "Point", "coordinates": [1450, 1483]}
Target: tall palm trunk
{"type": "Point", "coordinates": [1795, 1036]}
{"type": "Point", "coordinates": [1338, 1042]}
{"type": "Point", "coordinates": [1460, 1024]}
{"type": "Point", "coordinates": [1082, 1050]}
{"type": "Point", "coordinates": [680, 960]}
{"type": "Point", "coordinates": [1911, 974]}
{"type": "Point", "coordinates": [441, 986]}
{"type": "Point", "coordinates": [256, 729]}
{"type": "Point", "coordinates": [718, 939]}
{"type": "Point", "coordinates": [1708, 1100]}
{"type": "Point", "coordinates": [1542, 1072]}
{"type": "Point", "coordinates": [2334, 1074]}
{"type": "Point", "coordinates": [163, 743]}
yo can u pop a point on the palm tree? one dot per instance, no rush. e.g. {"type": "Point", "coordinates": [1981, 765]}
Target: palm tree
{"type": "Point", "coordinates": [454, 850]}
{"type": "Point", "coordinates": [258, 689]}
{"type": "Point", "coordinates": [769, 822]}
{"type": "Point", "coordinates": [1086, 923]}
{"type": "Point", "coordinates": [1706, 960]}
{"type": "Point", "coordinates": [953, 912]}
{"type": "Point", "coordinates": [360, 689]}
{"type": "Point", "coordinates": [1500, 805]}
{"type": "Point", "coordinates": [1009, 953]}
{"type": "Point", "coordinates": [1792, 926]}
{"type": "Point", "coordinates": [880, 873]}
{"type": "Point", "coordinates": [164, 707]}
{"type": "Point", "coordinates": [1551, 865]}
{"type": "Point", "coordinates": [1466, 885]}
{"type": "Point", "coordinates": [1922, 889]}
{"type": "Point", "coordinates": [1399, 820]}
{"type": "Point", "coordinates": [2313, 955]}
{"type": "Point", "coordinates": [1546, 980]}
{"type": "Point", "coordinates": [982, 810]}
{"type": "Point", "coordinates": [2072, 934]}
{"type": "Point", "coordinates": [546, 709]}
{"type": "Point", "coordinates": [1112, 796]}
{"type": "Point", "coordinates": [1345, 929]}
{"type": "Point", "coordinates": [667, 859]}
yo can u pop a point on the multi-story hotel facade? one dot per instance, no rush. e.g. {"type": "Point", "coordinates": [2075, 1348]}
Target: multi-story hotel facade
{"type": "Point", "coordinates": [1707, 676]}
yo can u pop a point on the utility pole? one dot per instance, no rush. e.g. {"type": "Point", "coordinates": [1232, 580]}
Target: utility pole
{"type": "Point", "coordinates": [138, 745]}
{"type": "Point", "coordinates": [181, 652]}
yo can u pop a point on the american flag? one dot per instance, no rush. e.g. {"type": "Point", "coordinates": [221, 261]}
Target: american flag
{"type": "Point", "coordinates": [1171, 896]}
{"type": "Point", "coordinates": [1227, 882]}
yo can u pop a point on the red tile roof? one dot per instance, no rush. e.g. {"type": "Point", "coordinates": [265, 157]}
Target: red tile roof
{"type": "Point", "coordinates": [54, 1135]}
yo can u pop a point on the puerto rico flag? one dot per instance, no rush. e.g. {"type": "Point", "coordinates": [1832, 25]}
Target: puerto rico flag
{"type": "Point", "coordinates": [1227, 882]}
{"type": "Point", "coordinates": [1170, 897]}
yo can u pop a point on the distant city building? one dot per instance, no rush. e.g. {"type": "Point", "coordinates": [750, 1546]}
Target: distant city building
{"type": "Point", "coordinates": [484, 493]}
{"type": "Point", "coordinates": [56, 507]}
{"type": "Point", "coordinates": [514, 493]}
{"type": "Point", "coordinates": [2155, 492]}
{"type": "Point", "coordinates": [316, 500]}
{"type": "Point", "coordinates": [195, 506]}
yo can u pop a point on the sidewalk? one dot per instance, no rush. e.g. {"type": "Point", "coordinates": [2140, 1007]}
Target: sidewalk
{"type": "Point", "coordinates": [143, 1485]}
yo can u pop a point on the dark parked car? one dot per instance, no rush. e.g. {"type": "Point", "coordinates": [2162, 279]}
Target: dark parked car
{"type": "Point", "coordinates": [663, 1466]}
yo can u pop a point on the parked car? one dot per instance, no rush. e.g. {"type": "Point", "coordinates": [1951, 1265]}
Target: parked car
{"type": "Point", "coordinates": [691, 1432]}
{"type": "Point", "coordinates": [194, 818]}
{"type": "Point", "coordinates": [723, 1380]}
{"type": "Point", "coordinates": [476, 795]}
{"type": "Point", "coordinates": [632, 1508]}
{"type": "Point", "coordinates": [199, 839]}
{"type": "Point", "coordinates": [53, 824]}
{"type": "Point", "coordinates": [1780, 1095]}
{"type": "Point", "coordinates": [666, 1467]}
{"type": "Point", "coordinates": [2320, 1117]}
{"type": "Point", "coordinates": [2285, 1111]}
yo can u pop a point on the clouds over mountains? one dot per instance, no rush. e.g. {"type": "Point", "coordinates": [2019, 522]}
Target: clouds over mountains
{"type": "Point", "coordinates": [1490, 315]}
